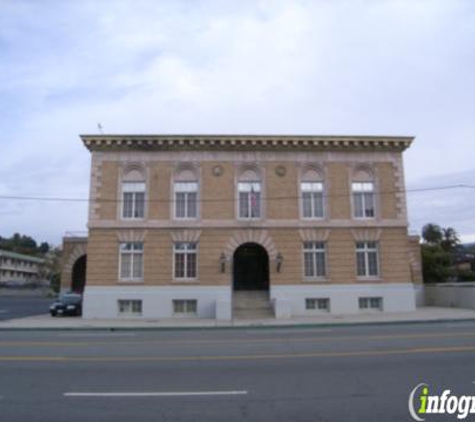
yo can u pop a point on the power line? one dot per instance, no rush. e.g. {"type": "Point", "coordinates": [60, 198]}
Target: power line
{"type": "Point", "coordinates": [277, 198]}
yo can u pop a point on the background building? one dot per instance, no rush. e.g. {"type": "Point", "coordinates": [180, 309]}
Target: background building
{"type": "Point", "coordinates": [247, 226]}
{"type": "Point", "coordinates": [19, 269]}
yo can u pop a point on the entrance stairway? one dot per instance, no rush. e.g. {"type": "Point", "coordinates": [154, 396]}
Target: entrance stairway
{"type": "Point", "coordinates": [252, 304]}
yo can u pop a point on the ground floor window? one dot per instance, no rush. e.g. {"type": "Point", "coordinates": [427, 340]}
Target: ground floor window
{"type": "Point", "coordinates": [131, 261]}
{"type": "Point", "coordinates": [367, 259]}
{"type": "Point", "coordinates": [130, 307]}
{"type": "Point", "coordinates": [185, 260]}
{"type": "Point", "coordinates": [371, 303]}
{"type": "Point", "coordinates": [185, 306]}
{"type": "Point", "coordinates": [317, 304]}
{"type": "Point", "coordinates": [314, 259]}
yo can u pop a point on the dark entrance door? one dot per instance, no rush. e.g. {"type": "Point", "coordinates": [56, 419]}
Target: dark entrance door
{"type": "Point", "coordinates": [251, 267]}
{"type": "Point", "coordinates": [79, 275]}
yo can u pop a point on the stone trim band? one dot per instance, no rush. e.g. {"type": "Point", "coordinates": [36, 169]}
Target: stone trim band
{"type": "Point", "coordinates": [243, 142]}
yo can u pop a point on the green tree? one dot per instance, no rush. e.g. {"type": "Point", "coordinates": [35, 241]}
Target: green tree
{"type": "Point", "coordinates": [437, 252]}
{"type": "Point", "coordinates": [432, 234]}
{"type": "Point", "coordinates": [450, 239]}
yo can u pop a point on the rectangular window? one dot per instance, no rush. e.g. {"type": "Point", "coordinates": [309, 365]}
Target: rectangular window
{"type": "Point", "coordinates": [130, 307]}
{"type": "Point", "coordinates": [186, 198]}
{"type": "Point", "coordinates": [371, 303]}
{"type": "Point", "coordinates": [363, 200]}
{"type": "Point", "coordinates": [133, 200]}
{"type": "Point", "coordinates": [312, 199]}
{"type": "Point", "coordinates": [185, 260]}
{"type": "Point", "coordinates": [249, 199]}
{"type": "Point", "coordinates": [185, 306]}
{"type": "Point", "coordinates": [317, 304]}
{"type": "Point", "coordinates": [314, 254]}
{"type": "Point", "coordinates": [367, 259]}
{"type": "Point", "coordinates": [131, 261]}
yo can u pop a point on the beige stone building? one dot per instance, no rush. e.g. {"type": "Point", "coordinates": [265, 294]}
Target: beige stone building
{"type": "Point", "coordinates": [245, 226]}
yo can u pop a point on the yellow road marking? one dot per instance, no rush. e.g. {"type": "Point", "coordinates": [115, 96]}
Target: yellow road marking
{"type": "Point", "coordinates": [363, 353]}
{"type": "Point", "coordinates": [233, 341]}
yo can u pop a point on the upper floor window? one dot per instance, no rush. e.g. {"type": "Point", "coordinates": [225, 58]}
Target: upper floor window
{"type": "Point", "coordinates": [185, 187]}
{"type": "Point", "coordinates": [311, 190]}
{"type": "Point", "coordinates": [249, 191]}
{"type": "Point", "coordinates": [367, 258]}
{"type": "Point", "coordinates": [362, 189]}
{"type": "Point", "coordinates": [249, 199]}
{"type": "Point", "coordinates": [186, 198]}
{"type": "Point", "coordinates": [133, 194]}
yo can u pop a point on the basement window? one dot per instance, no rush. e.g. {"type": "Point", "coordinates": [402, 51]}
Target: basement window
{"type": "Point", "coordinates": [185, 307]}
{"type": "Point", "coordinates": [317, 304]}
{"type": "Point", "coordinates": [130, 307]}
{"type": "Point", "coordinates": [371, 303]}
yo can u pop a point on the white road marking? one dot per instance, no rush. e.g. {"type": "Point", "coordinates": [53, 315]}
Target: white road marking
{"type": "Point", "coordinates": [104, 334]}
{"type": "Point", "coordinates": [4, 311]}
{"type": "Point", "coordinates": [160, 394]}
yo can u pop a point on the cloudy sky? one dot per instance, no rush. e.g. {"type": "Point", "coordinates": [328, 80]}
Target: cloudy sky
{"type": "Point", "coordinates": [395, 67]}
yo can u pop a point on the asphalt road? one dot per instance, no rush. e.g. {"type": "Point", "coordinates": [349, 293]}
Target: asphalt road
{"type": "Point", "coordinates": [338, 374]}
{"type": "Point", "coordinates": [22, 304]}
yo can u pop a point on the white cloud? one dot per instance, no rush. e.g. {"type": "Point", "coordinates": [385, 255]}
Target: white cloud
{"type": "Point", "coordinates": [351, 67]}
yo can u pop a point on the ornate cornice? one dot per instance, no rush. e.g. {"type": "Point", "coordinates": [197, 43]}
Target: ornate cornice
{"type": "Point", "coordinates": [245, 142]}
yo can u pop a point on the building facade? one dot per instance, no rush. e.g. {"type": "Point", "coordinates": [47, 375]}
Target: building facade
{"type": "Point", "coordinates": [19, 269]}
{"type": "Point", "coordinates": [234, 226]}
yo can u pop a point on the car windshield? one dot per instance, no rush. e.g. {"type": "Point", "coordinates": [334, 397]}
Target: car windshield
{"type": "Point", "coordinates": [70, 298]}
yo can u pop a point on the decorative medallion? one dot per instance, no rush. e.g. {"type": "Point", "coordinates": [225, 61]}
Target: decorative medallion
{"type": "Point", "coordinates": [280, 171]}
{"type": "Point", "coordinates": [218, 170]}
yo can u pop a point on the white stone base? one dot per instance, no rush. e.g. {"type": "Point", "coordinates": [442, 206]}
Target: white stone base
{"type": "Point", "coordinates": [216, 301]}
{"type": "Point", "coordinates": [101, 302]}
{"type": "Point", "coordinates": [397, 297]}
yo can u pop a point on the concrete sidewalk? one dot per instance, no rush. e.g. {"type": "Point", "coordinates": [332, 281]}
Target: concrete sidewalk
{"type": "Point", "coordinates": [421, 315]}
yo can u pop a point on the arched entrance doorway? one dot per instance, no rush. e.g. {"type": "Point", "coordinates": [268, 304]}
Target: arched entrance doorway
{"type": "Point", "coordinates": [250, 268]}
{"type": "Point", "coordinates": [78, 278]}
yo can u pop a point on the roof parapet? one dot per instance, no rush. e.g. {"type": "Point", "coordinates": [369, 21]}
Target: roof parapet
{"type": "Point", "coordinates": [244, 142]}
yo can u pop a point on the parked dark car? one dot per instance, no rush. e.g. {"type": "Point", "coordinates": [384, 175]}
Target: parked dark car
{"type": "Point", "coordinates": [67, 304]}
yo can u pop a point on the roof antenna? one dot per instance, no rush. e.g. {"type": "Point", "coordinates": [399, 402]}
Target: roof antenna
{"type": "Point", "coordinates": [99, 128]}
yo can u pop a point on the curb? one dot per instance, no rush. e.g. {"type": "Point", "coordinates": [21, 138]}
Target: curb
{"type": "Point", "coordinates": [240, 327]}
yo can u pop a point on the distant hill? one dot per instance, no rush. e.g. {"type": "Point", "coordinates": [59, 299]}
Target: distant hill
{"type": "Point", "coordinates": [24, 244]}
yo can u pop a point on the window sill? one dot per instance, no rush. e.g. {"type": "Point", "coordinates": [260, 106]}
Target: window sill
{"type": "Point", "coordinates": [131, 281]}
{"type": "Point", "coordinates": [316, 280]}
{"type": "Point", "coordinates": [366, 279]}
{"type": "Point", "coordinates": [186, 281]}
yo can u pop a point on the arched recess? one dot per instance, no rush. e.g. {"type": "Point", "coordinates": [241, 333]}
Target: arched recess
{"type": "Point", "coordinates": [76, 252]}
{"type": "Point", "coordinates": [250, 268]}
{"type": "Point", "coordinates": [78, 275]}
{"type": "Point", "coordinates": [261, 237]}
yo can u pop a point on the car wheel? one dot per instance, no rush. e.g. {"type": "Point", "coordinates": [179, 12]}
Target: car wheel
{"type": "Point", "coordinates": [53, 314]}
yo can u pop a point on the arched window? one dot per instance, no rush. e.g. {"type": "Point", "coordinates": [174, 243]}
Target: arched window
{"type": "Point", "coordinates": [362, 188]}
{"type": "Point", "coordinates": [133, 193]}
{"type": "Point", "coordinates": [249, 194]}
{"type": "Point", "coordinates": [311, 191]}
{"type": "Point", "coordinates": [185, 187]}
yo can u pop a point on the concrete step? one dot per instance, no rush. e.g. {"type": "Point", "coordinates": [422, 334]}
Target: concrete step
{"type": "Point", "coordinates": [252, 305]}
{"type": "Point", "coordinates": [253, 313]}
